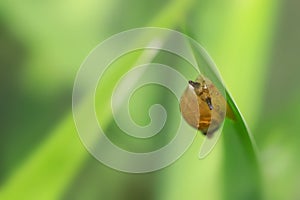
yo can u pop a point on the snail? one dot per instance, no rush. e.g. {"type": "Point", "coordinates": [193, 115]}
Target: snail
{"type": "Point", "coordinates": [203, 106]}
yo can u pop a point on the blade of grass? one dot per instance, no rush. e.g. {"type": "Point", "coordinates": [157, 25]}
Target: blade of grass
{"type": "Point", "coordinates": [242, 174]}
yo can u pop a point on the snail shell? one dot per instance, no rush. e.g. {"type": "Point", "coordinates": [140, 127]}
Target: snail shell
{"type": "Point", "coordinates": [203, 106]}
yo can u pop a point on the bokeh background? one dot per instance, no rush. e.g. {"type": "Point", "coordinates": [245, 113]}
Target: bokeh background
{"type": "Point", "coordinates": [255, 44]}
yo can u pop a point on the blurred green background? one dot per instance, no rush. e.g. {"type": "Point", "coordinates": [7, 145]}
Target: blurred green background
{"type": "Point", "coordinates": [255, 44]}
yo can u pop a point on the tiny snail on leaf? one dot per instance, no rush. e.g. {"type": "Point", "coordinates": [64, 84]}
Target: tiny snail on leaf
{"type": "Point", "coordinates": [203, 106]}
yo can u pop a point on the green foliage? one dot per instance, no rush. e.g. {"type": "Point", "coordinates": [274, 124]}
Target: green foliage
{"type": "Point", "coordinates": [42, 155]}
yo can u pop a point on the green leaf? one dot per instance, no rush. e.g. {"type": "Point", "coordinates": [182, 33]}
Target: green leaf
{"type": "Point", "coordinates": [242, 175]}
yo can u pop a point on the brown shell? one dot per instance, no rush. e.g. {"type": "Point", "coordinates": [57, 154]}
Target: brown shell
{"type": "Point", "coordinates": [195, 109]}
